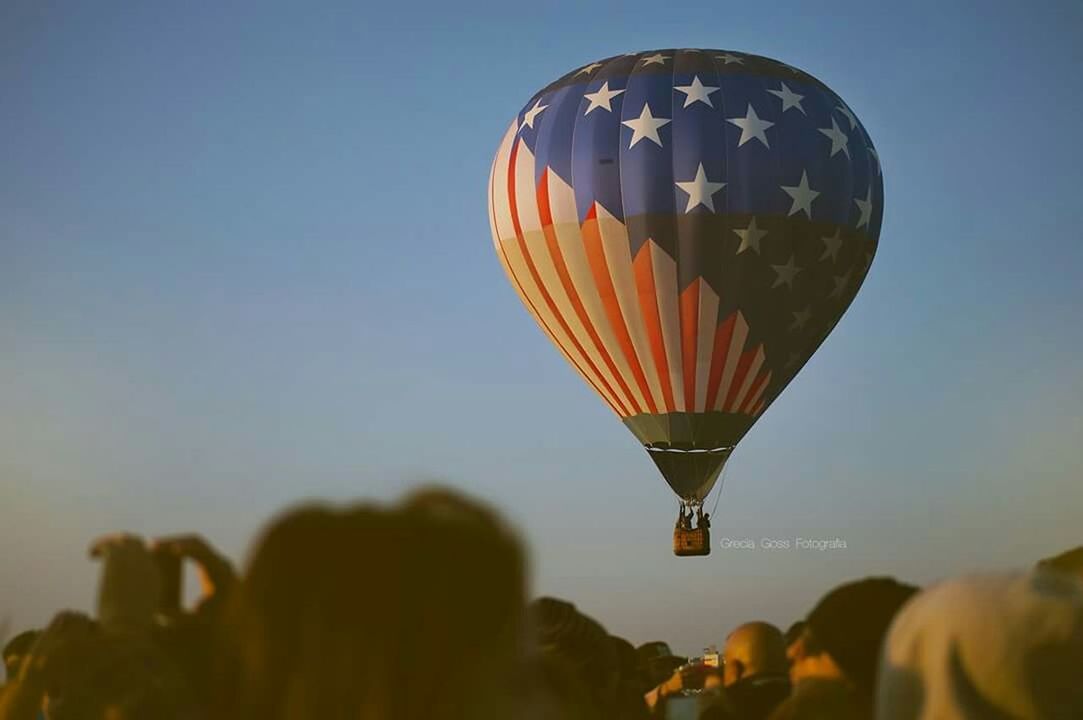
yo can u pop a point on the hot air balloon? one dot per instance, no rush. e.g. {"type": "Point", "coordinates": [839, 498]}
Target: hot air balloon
{"type": "Point", "coordinates": [686, 226]}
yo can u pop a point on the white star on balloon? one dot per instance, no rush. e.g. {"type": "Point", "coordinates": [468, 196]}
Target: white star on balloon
{"type": "Point", "coordinates": [802, 196]}
{"type": "Point", "coordinates": [789, 98]}
{"type": "Point", "coordinates": [832, 245]}
{"type": "Point", "coordinates": [845, 112]}
{"type": "Point", "coordinates": [786, 273]}
{"type": "Point", "coordinates": [838, 138]}
{"type": "Point", "coordinates": [656, 59]}
{"type": "Point", "coordinates": [645, 127]}
{"type": "Point", "coordinates": [530, 115]}
{"type": "Point", "coordinates": [727, 58]}
{"type": "Point", "coordinates": [700, 190]}
{"type": "Point", "coordinates": [601, 98]}
{"type": "Point", "coordinates": [696, 92]}
{"type": "Point", "coordinates": [750, 237]}
{"type": "Point", "coordinates": [589, 69]}
{"type": "Point", "coordinates": [752, 127]}
{"type": "Point", "coordinates": [865, 206]}
{"type": "Point", "coordinates": [800, 319]}
{"type": "Point", "coordinates": [840, 284]}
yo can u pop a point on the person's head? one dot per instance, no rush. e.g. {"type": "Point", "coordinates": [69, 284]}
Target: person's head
{"type": "Point", "coordinates": [579, 641]}
{"type": "Point", "coordinates": [794, 632]}
{"type": "Point", "coordinates": [344, 612]}
{"type": "Point", "coordinates": [624, 653]}
{"type": "Point", "coordinates": [844, 632]}
{"type": "Point", "coordinates": [1069, 562]}
{"type": "Point", "coordinates": [85, 671]}
{"type": "Point", "coordinates": [660, 669]}
{"type": "Point", "coordinates": [16, 649]}
{"type": "Point", "coordinates": [807, 659]}
{"type": "Point", "coordinates": [1004, 645]}
{"type": "Point", "coordinates": [752, 649]}
{"type": "Point", "coordinates": [631, 681]}
{"type": "Point", "coordinates": [648, 651]}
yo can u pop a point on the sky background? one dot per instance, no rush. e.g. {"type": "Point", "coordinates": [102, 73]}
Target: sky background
{"type": "Point", "coordinates": [245, 260]}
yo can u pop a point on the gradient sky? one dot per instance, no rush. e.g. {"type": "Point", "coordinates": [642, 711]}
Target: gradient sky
{"type": "Point", "coordinates": [245, 259]}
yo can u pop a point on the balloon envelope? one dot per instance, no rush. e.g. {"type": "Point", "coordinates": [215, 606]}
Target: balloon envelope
{"type": "Point", "coordinates": [686, 226]}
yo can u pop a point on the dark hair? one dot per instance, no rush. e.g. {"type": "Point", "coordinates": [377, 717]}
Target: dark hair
{"type": "Point", "coordinates": [98, 670]}
{"type": "Point", "coordinates": [16, 648]}
{"type": "Point", "coordinates": [793, 632]}
{"type": "Point", "coordinates": [340, 607]}
{"type": "Point", "coordinates": [850, 622]}
{"type": "Point", "coordinates": [661, 668]}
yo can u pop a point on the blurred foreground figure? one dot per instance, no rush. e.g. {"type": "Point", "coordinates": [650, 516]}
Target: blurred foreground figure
{"type": "Point", "coordinates": [833, 662]}
{"type": "Point", "coordinates": [1069, 561]}
{"type": "Point", "coordinates": [822, 699]}
{"type": "Point", "coordinates": [79, 669]}
{"type": "Point", "coordinates": [995, 646]}
{"type": "Point", "coordinates": [754, 669]}
{"type": "Point", "coordinates": [366, 613]}
{"type": "Point", "coordinates": [15, 650]}
{"type": "Point", "coordinates": [580, 643]}
{"type": "Point", "coordinates": [109, 667]}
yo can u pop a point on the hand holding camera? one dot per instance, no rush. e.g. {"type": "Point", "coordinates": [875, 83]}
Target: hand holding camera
{"type": "Point", "coordinates": [142, 582]}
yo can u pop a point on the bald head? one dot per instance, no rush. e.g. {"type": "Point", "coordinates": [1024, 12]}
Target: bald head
{"type": "Point", "coordinates": [752, 649]}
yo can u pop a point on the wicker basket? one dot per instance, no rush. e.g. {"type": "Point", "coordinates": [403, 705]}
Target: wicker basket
{"type": "Point", "coordinates": [691, 542]}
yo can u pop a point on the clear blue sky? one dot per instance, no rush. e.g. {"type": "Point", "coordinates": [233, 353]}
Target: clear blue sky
{"type": "Point", "coordinates": [245, 259]}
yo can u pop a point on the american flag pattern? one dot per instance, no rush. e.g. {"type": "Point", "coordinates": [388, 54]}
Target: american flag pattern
{"type": "Point", "coordinates": [686, 226]}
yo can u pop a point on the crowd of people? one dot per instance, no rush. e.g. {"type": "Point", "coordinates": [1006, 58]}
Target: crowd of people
{"type": "Point", "coordinates": [419, 610]}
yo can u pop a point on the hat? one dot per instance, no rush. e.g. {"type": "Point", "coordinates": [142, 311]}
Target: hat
{"type": "Point", "coordinates": [1002, 645]}
{"type": "Point", "coordinates": [653, 649]}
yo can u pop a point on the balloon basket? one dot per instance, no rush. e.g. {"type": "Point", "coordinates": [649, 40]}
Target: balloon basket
{"type": "Point", "coordinates": [691, 542]}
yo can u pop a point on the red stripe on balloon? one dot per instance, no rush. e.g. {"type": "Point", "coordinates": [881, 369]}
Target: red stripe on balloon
{"type": "Point", "coordinates": [624, 398]}
{"type": "Point", "coordinates": [513, 205]}
{"type": "Point", "coordinates": [723, 335]}
{"type": "Point", "coordinates": [647, 294]}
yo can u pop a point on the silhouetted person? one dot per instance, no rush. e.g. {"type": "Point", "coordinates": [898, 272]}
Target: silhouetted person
{"type": "Point", "coordinates": [841, 642]}
{"type": "Point", "coordinates": [647, 654]}
{"type": "Point", "coordinates": [107, 666]}
{"type": "Point", "coordinates": [1069, 561]}
{"type": "Point", "coordinates": [631, 682]}
{"type": "Point", "coordinates": [16, 649]}
{"type": "Point", "coordinates": [754, 669]}
{"type": "Point", "coordinates": [363, 613]}
{"type": "Point", "coordinates": [662, 668]}
{"type": "Point", "coordinates": [650, 650]}
{"type": "Point", "coordinates": [794, 632]}
{"type": "Point", "coordinates": [581, 642]}
{"type": "Point", "coordinates": [79, 670]}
